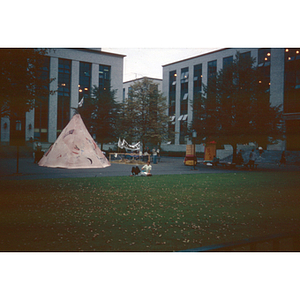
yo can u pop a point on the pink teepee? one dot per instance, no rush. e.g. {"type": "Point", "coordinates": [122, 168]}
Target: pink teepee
{"type": "Point", "coordinates": [74, 149]}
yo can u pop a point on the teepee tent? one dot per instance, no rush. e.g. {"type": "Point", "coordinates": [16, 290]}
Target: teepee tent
{"type": "Point", "coordinates": [74, 149]}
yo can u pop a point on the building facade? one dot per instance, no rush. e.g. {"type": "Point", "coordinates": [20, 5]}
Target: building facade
{"type": "Point", "coordinates": [280, 73]}
{"type": "Point", "coordinates": [127, 85]}
{"type": "Point", "coordinates": [75, 72]}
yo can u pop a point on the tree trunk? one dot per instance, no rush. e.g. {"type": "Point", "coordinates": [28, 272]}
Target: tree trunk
{"type": "Point", "coordinates": [234, 153]}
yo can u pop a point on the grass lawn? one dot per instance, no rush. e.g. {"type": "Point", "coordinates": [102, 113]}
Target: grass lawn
{"type": "Point", "coordinates": [158, 213]}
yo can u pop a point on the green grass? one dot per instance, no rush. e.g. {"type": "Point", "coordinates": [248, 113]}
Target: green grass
{"type": "Point", "coordinates": [158, 213]}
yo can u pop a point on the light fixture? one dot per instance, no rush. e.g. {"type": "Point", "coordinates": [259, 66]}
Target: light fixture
{"type": "Point", "coordinates": [175, 74]}
{"type": "Point", "coordinates": [286, 50]}
{"type": "Point", "coordinates": [269, 54]}
{"type": "Point", "coordinates": [80, 90]}
{"type": "Point", "coordinates": [85, 89]}
{"type": "Point", "coordinates": [266, 58]}
{"type": "Point", "coordinates": [259, 81]}
{"type": "Point", "coordinates": [297, 52]}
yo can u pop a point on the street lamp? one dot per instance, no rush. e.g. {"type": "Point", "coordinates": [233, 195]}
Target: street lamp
{"type": "Point", "coordinates": [194, 135]}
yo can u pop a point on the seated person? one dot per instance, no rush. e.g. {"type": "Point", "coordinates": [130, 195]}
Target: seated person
{"type": "Point", "coordinates": [146, 170]}
{"type": "Point", "coordinates": [135, 171]}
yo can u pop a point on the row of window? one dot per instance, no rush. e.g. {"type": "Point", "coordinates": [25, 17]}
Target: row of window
{"type": "Point", "coordinates": [264, 58]}
{"type": "Point", "coordinates": [64, 87]}
{"type": "Point", "coordinates": [291, 87]}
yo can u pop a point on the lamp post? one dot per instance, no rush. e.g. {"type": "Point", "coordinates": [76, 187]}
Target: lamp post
{"type": "Point", "coordinates": [194, 135]}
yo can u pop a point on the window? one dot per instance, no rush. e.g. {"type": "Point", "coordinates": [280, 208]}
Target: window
{"type": "Point", "coordinates": [246, 55]}
{"type": "Point", "coordinates": [264, 57]}
{"type": "Point", "coordinates": [183, 131]}
{"type": "Point", "coordinates": [172, 92]}
{"type": "Point", "coordinates": [42, 106]}
{"type": "Point", "coordinates": [63, 105]}
{"type": "Point", "coordinates": [264, 60]}
{"type": "Point", "coordinates": [227, 62]}
{"type": "Point", "coordinates": [211, 69]}
{"type": "Point", "coordinates": [129, 92]}
{"type": "Point", "coordinates": [184, 86]}
{"type": "Point", "coordinates": [84, 79]}
{"type": "Point", "coordinates": [104, 77]}
{"type": "Point", "coordinates": [197, 79]}
{"type": "Point", "coordinates": [292, 80]}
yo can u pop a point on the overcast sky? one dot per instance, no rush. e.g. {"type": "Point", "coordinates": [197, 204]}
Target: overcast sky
{"type": "Point", "coordinates": [141, 62]}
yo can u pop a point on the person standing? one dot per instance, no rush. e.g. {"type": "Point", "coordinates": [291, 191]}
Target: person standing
{"type": "Point", "coordinates": [239, 158]}
{"type": "Point", "coordinates": [252, 158]}
{"type": "Point", "coordinates": [158, 154]}
{"type": "Point", "coordinates": [282, 159]}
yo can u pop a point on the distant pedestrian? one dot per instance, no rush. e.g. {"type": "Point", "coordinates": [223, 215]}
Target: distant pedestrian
{"type": "Point", "coordinates": [252, 158]}
{"type": "Point", "coordinates": [282, 159]}
{"type": "Point", "coordinates": [158, 154]}
{"type": "Point", "coordinates": [239, 158]}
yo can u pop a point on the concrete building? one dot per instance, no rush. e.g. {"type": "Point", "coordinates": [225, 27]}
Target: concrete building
{"type": "Point", "coordinates": [127, 85]}
{"type": "Point", "coordinates": [76, 71]}
{"type": "Point", "coordinates": [183, 79]}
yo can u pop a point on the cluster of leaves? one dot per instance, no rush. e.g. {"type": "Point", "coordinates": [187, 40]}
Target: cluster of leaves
{"type": "Point", "coordinates": [21, 81]}
{"type": "Point", "coordinates": [235, 108]}
{"type": "Point", "coordinates": [144, 114]}
{"type": "Point", "coordinates": [100, 114]}
{"type": "Point", "coordinates": [162, 213]}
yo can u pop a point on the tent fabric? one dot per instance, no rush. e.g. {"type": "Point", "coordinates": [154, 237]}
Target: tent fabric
{"type": "Point", "coordinates": [74, 149]}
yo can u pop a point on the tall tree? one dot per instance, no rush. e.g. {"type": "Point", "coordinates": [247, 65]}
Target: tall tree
{"type": "Point", "coordinates": [144, 114]}
{"type": "Point", "coordinates": [235, 107]}
{"type": "Point", "coordinates": [100, 113]}
{"type": "Point", "coordinates": [21, 83]}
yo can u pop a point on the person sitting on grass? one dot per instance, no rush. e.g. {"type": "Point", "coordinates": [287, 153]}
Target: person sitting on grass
{"type": "Point", "coordinates": [146, 169]}
{"type": "Point", "coordinates": [135, 171]}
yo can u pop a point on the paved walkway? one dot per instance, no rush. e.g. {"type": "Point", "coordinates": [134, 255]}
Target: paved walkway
{"type": "Point", "coordinates": [167, 165]}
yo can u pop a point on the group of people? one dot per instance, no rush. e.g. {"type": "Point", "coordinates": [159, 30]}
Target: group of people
{"type": "Point", "coordinates": [154, 152]}
{"type": "Point", "coordinates": [146, 170]}
{"type": "Point", "coordinates": [251, 162]}
{"type": "Point", "coordinates": [252, 158]}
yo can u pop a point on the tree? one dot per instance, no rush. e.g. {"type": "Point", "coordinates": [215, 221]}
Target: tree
{"type": "Point", "coordinates": [235, 108]}
{"type": "Point", "coordinates": [21, 83]}
{"type": "Point", "coordinates": [144, 114]}
{"type": "Point", "coordinates": [100, 113]}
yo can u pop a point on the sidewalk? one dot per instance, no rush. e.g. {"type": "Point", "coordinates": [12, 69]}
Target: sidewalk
{"type": "Point", "coordinates": [168, 165]}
